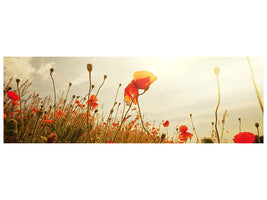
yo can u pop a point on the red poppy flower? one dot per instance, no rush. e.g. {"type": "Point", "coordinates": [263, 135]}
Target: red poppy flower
{"type": "Point", "coordinates": [34, 110]}
{"type": "Point", "coordinates": [13, 95]}
{"type": "Point", "coordinates": [114, 124]}
{"type": "Point", "coordinates": [15, 103]}
{"type": "Point", "coordinates": [18, 111]}
{"type": "Point", "coordinates": [104, 123]}
{"type": "Point", "coordinates": [60, 113]}
{"type": "Point", "coordinates": [166, 124]}
{"type": "Point", "coordinates": [83, 134]}
{"type": "Point", "coordinates": [92, 102]}
{"type": "Point", "coordinates": [77, 101]}
{"type": "Point", "coordinates": [4, 115]}
{"type": "Point", "coordinates": [185, 136]}
{"type": "Point", "coordinates": [80, 105]}
{"type": "Point", "coordinates": [183, 128]}
{"type": "Point", "coordinates": [142, 80]}
{"type": "Point", "coordinates": [244, 137]}
{"type": "Point", "coordinates": [11, 113]}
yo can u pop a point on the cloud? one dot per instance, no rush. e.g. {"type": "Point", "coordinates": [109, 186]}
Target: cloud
{"type": "Point", "coordinates": [18, 68]}
{"type": "Point", "coordinates": [44, 69]}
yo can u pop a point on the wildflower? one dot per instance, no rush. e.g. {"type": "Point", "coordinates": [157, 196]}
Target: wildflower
{"type": "Point", "coordinates": [60, 113]}
{"type": "Point", "coordinates": [142, 80]}
{"type": "Point", "coordinates": [13, 95]}
{"type": "Point", "coordinates": [92, 102]}
{"type": "Point", "coordinates": [77, 101]}
{"type": "Point", "coordinates": [80, 105]}
{"type": "Point", "coordinates": [183, 128]}
{"type": "Point", "coordinates": [244, 137]}
{"type": "Point", "coordinates": [11, 113]}
{"type": "Point", "coordinates": [185, 136]}
{"type": "Point", "coordinates": [34, 110]}
{"type": "Point", "coordinates": [166, 123]}
{"type": "Point", "coordinates": [75, 112]}
{"type": "Point", "coordinates": [52, 137]}
{"type": "Point", "coordinates": [4, 115]}
{"type": "Point", "coordinates": [104, 123]}
{"type": "Point", "coordinates": [18, 111]}
{"type": "Point", "coordinates": [154, 132]}
{"type": "Point", "coordinates": [83, 134]}
{"type": "Point", "coordinates": [114, 124]}
{"type": "Point", "coordinates": [15, 103]}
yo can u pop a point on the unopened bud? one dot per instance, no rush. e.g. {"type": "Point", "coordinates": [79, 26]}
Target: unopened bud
{"type": "Point", "coordinates": [17, 80]}
{"type": "Point", "coordinates": [70, 84]}
{"type": "Point", "coordinates": [89, 67]}
{"type": "Point", "coordinates": [105, 76]}
{"type": "Point", "coordinates": [257, 125]}
{"type": "Point", "coordinates": [51, 70]}
{"type": "Point", "coordinates": [217, 70]}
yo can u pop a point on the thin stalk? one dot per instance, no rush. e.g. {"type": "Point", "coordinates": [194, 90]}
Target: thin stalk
{"type": "Point", "coordinates": [123, 118]}
{"type": "Point", "coordinates": [194, 127]}
{"type": "Point", "coordinates": [55, 98]}
{"type": "Point", "coordinates": [21, 115]}
{"type": "Point", "coordinates": [87, 118]}
{"type": "Point", "coordinates": [216, 111]}
{"type": "Point", "coordinates": [66, 97]}
{"type": "Point", "coordinates": [96, 93]}
{"type": "Point", "coordinates": [254, 82]}
{"type": "Point", "coordinates": [35, 125]}
{"type": "Point", "coordinates": [142, 122]}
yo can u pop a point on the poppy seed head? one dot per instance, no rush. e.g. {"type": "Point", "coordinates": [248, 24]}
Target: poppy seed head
{"type": "Point", "coordinates": [51, 70]}
{"type": "Point", "coordinates": [257, 125]}
{"type": "Point", "coordinates": [89, 67]}
{"type": "Point", "coordinates": [217, 70]}
{"type": "Point", "coordinates": [17, 80]}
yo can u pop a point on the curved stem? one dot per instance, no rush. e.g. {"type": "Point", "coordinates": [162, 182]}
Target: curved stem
{"type": "Point", "coordinates": [142, 122]}
{"type": "Point", "coordinates": [216, 111]}
{"type": "Point", "coordinates": [254, 82]}
{"type": "Point", "coordinates": [55, 99]}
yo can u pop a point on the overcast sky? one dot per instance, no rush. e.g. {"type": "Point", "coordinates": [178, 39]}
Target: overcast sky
{"type": "Point", "coordinates": [184, 85]}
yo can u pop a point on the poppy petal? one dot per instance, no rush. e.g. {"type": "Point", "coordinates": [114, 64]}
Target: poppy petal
{"type": "Point", "coordinates": [130, 92]}
{"type": "Point", "coordinates": [143, 79]}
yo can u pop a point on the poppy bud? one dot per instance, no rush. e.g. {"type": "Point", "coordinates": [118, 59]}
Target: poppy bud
{"type": "Point", "coordinates": [257, 125]}
{"type": "Point", "coordinates": [239, 119]}
{"type": "Point", "coordinates": [9, 88]}
{"type": "Point", "coordinates": [51, 70]}
{"type": "Point", "coordinates": [163, 137]}
{"type": "Point", "coordinates": [96, 110]}
{"type": "Point", "coordinates": [119, 84]}
{"type": "Point", "coordinates": [212, 123]}
{"type": "Point", "coordinates": [70, 84]}
{"type": "Point", "coordinates": [190, 115]}
{"type": "Point", "coordinates": [73, 96]}
{"type": "Point", "coordinates": [111, 111]}
{"type": "Point", "coordinates": [217, 70]}
{"type": "Point", "coordinates": [89, 67]}
{"type": "Point", "coordinates": [93, 86]}
{"type": "Point", "coordinates": [78, 97]}
{"type": "Point", "coordinates": [17, 80]}
{"type": "Point", "coordinates": [105, 76]}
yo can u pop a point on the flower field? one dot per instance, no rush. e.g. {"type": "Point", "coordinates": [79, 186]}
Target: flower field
{"type": "Point", "coordinates": [68, 118]}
